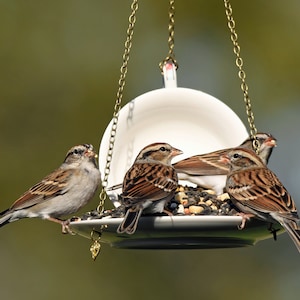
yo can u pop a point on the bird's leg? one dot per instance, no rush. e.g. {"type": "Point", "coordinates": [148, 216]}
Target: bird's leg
{"type": "Point", "coordinates": [273, 231]}
{"type": "Point", "coordinates": [64, 225]}
{"type": "Point", "coordinates": [245, 218]}
{"type": "Point", "coordinates": [168, 213]}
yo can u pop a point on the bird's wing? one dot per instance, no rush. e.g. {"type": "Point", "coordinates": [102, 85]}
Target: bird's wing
{"type": "Point", "coordinates": [204, 164]}
{"type": "Point", "coordinates": [265, 193]}
{"type": "Point", "coordinates": [51, 186]}
{"type": "Point", "coordinates": [149, 181]}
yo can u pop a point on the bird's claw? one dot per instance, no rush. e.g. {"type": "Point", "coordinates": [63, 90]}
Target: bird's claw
{"type": "Point", "coordinates": [245, 218]}
{"type": "Point", "coordinates": [66, 229]}
{"type": "Point", "coordinates": [273, 231]}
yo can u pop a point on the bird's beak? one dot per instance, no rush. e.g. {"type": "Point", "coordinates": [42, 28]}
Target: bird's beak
{"type": "Point", "coordinates": [224, 159]}
{"type": "Point", "coordinates": [90, 153]}
{"type": "Point", "coordinates": [271, 142]}
{"type": "Point", "coordinates": [176, 152]}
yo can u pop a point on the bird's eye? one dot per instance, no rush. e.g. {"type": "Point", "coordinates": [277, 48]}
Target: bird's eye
{"type": "Point", "coordinates": [235, 155]}
{"type": "Point", "coordinates": [162, 149]}
{"type": "Point", "coordinates": [77, 151]}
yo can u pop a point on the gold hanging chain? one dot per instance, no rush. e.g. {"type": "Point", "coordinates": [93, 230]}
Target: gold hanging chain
{"type": "Point", "coordinates": [241, 73]}
{"type": "Point", "coordinates": [171, 42]}
{"type": "Point", "coordinates": [119, 96]}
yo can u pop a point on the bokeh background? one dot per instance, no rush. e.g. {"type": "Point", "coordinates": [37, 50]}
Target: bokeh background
{"type": "Point", "coordinates": [59, 67]}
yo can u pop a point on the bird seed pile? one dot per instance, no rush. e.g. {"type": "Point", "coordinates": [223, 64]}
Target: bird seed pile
{"type": "Point", "coordinates": [187, 201]}
{"type": "Point", "coordinates": [199, 201]}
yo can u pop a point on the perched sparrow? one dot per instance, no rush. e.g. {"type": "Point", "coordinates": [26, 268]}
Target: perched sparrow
{"type": "Point", "coordinates": [148, 184]}
{"type": "Point", "coordinates": [258, 192]}
{"type": "Point", "coordinates": [207, 171]}
{"type": "Point", "coordinates": [63, 192]}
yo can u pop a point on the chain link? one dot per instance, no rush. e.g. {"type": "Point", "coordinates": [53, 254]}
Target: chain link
{"type": "Point", "coordinates": [241, 73]}
{"type": "Point", "coordinates": [171, 43]}
{"type": "Point", "coordinates": [117, 107]}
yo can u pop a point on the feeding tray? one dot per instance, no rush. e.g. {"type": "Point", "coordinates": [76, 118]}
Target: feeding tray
{"type": "Point", "coordinates": [178, 232]}
{"type": "Point", "coordinates": [195, 123]}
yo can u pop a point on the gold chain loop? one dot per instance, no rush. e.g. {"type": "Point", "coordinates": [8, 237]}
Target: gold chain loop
{"type": "Point", "coordinates": [119, 96]}
{"type": "Point", "coordinates": [171, 42]}
{"type": "Point", "coordinates": [241, 73]}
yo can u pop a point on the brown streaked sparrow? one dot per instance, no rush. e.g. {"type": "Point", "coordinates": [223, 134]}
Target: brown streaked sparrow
{"type": "Point", "coordinates": [258, 192]}
{"type": "Point", "coordinates": [63, 192]}
{"type": "Point", "coordinates": [207, 171]}
{"type": "Point", "coordinates": [148, 184]}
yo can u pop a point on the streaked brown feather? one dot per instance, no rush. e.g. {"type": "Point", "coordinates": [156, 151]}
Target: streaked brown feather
{"type": "Point", "coordinates": [139, 182]}
{"type": "Point", "coordinates": [205, 164]}
{"type": "Point", "coordinates": [51, 185]}
{"type": "Point", "coordinates": [265, 193]}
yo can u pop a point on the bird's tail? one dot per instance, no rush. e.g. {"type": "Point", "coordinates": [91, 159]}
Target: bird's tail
{"type": "Point", "coordinates": [294, 232]}
{"type": "Point", "coordinates": [5, 217]}
{"type": "Point", "coordinates": [130, 221]}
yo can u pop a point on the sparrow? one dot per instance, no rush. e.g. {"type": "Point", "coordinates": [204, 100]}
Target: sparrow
{"type": "Point", "coordinates": [62, 192]}
{"type": "Point", "coordinates": [149, 184]}
{"type": "Point", "coordinates": [257, 192]}
{"type": "Point", "coordinates": [207, 171]}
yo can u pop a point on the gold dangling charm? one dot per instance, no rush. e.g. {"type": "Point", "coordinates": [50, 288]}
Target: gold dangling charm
{"type": "Point", "coordinates": [96, 246]}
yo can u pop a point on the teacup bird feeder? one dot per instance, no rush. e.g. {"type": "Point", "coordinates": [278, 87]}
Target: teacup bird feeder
{"type": "Point", "coordinates": [184, 118]}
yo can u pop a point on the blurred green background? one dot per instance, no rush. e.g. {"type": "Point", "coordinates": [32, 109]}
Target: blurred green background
{"type": "Point", "coordinates": [59, 67]}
